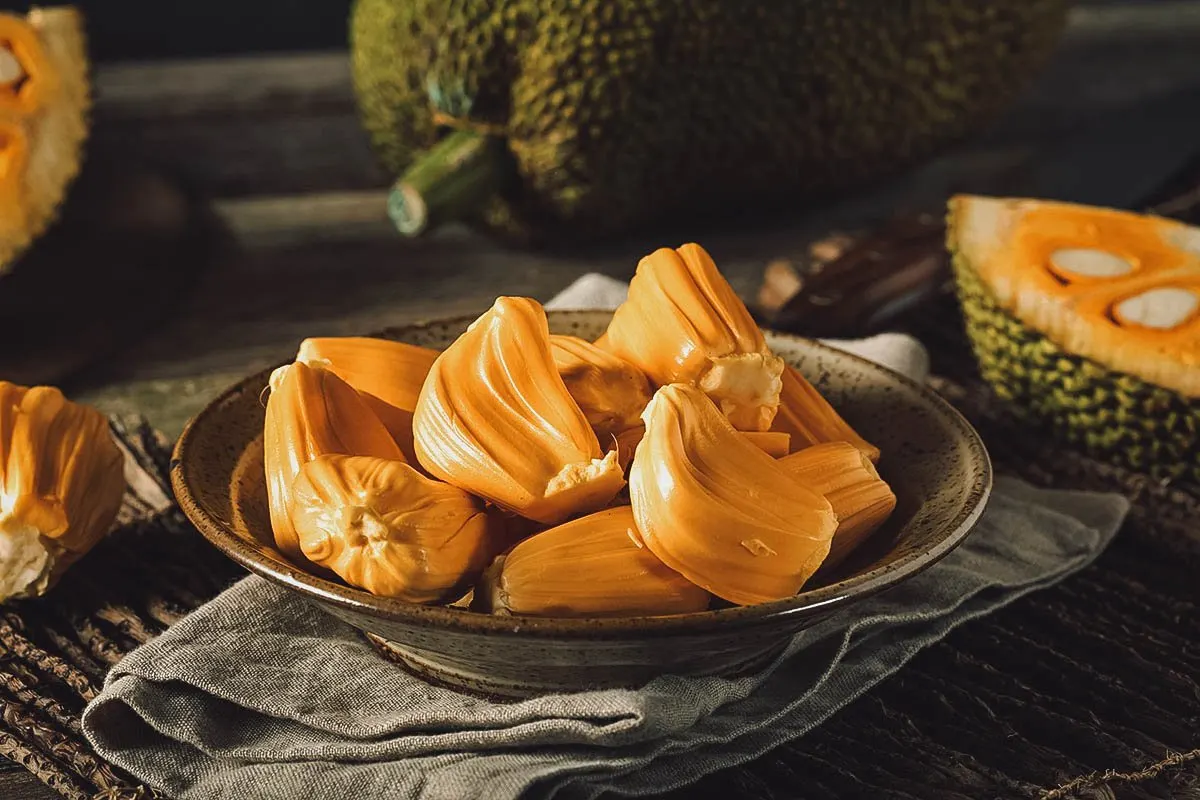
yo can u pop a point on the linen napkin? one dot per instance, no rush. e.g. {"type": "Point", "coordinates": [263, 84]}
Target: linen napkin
{"type": "Point", "coordinates": [258, 695]}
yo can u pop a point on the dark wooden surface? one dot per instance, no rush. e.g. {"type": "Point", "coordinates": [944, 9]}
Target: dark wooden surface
{"type": "Point", "coordinates": [275, 142]}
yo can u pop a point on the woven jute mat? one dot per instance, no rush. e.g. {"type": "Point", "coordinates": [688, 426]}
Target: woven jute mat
{"type": "Point", "coordinates": [1088, 689]}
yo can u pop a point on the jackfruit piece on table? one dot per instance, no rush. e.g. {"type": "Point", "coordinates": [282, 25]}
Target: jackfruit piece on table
{"type": "Point", "coordinates": [495, 419]}
{"type": "Point", "coordinates": [45, 99]}
{"type": "Point", "coordinates": [566, 119]}
{"type": "Point", "coordinates": [62, 479]}
{"type": "Point", "coordinates": [1087, 320]}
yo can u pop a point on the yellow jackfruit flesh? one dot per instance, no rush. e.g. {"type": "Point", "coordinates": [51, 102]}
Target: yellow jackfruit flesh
{"type": "Point", "coordinates": [717, 509]}
{"type": "Point", "coordinates": [594, 566]}
{"type": "Point", "coordinates": [495, 419]}
{"type": "Point", "coordinates": [389, 375]}
{"type": "Point", "coordinates": [683, 323]}
{"type": "Point", "coordinates": [386, 528]}
{"type": "Point", "coordinates": [845, 476]}
{"type": "Point", "coordinates": [610, 391]}
{"type": "Point", "coordinates": [44, 105]}
{"type": "Point", "coordinates": [63, 480]}
{"type": "Point", "coordinates": [809, 418]}
{"type": "Point", "coordinates": [312, 412]}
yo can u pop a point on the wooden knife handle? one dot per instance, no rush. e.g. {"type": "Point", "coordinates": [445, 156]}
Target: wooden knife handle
{"type": "Point", "coordinates": [852, 285]}
{"type": "Point", "coordinates": [856, 284]}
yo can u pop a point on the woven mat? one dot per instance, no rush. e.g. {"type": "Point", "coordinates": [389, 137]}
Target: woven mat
{"type": "Point", "coordinates": [1087, 689]}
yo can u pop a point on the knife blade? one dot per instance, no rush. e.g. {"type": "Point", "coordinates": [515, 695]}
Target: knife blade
{"type": "Point", "coordinates": [1122, 159]}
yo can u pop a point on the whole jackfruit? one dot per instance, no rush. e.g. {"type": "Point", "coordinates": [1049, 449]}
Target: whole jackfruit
{"type": "Point", "coordinates": [561, 119]}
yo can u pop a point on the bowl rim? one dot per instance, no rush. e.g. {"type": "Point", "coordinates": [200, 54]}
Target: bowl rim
{"type": "Point", "coordinates": [357, 601]}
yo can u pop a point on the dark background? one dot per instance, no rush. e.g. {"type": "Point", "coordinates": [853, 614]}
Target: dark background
{"type": "Point", "coordinates": [150, 29]}
{"type": "Point", "coordinates": [147, 29]}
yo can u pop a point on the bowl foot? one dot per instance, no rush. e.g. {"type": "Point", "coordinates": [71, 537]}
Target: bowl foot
{"type": "Point", "coordinates": [545, 681]}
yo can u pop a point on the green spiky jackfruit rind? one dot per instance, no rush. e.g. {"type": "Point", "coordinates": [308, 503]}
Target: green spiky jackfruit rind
{"type": "Point", "coordinates": [1110, 415]}
{"type": "Point", "coordinates": [387, 67]}
{"type": "Point", "coordinates": [622, 113]}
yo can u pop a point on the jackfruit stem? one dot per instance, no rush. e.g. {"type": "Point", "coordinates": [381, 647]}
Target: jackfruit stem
{"type": "Point", "coordinates": [448, 182]}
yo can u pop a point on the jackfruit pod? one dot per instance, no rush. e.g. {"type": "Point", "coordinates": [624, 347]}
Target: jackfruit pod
{"type": "Point", "coordinates": [717, 509]}
{"type": "Point", "coordinates": [386, 528]}
{"type": "Point", "coordinates": [495, 419]}
{"type": "Point", "coordinates": [388, 374]}
{"type": "Point", "coordinates": [842, 473]}
{"type": "Point", "coordinates": [63, 480]}
{"type": "Point", "coordinates": [312, 412]}
{"type": "Point", "coordinates": [594, 566]}
{"type": "Point", "coordinates": [610, 391]}
{"type": "Point", "coordinates": [773, 443]}
{"type": "Point", "coordinates": [683, 323]}
{"type": "Point", "coordinates": [810, 419]}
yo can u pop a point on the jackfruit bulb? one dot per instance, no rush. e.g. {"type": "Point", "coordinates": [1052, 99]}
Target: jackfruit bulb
{"type": "Point", "coordinates": [384, 527]}
{"type": "Point", "coordinates": [683, 323]}
{"type": "Point", "coordinates": [388, 374]}
{"type": "Point", "coordinates": [562, 120]}
{"type": "Point", "coordinates": [594, 566]}
{"type": "Point", "coordinates": [312, 412]}
{"type": "Point", "coordinates": [62, 479]}
{"type": "Point", "coordinates": [610, 391]}
{"type": "Point", "coordinates": [495, 419]}
{"type": "Point", "coordinates": [717, 509]}
{"type": "Point", "coordinates": [45, 99]}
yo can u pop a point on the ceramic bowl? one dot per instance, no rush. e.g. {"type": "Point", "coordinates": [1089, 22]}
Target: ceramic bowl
{"type": "Point", "coordinates": [932, 458]}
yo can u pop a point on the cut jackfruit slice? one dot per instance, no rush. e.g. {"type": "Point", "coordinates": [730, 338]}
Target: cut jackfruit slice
{"type": "Point", "coordinates": [1118, 288]}
{"type": "Point", "coordinates": [1085, 321]}
{"type": "Point", "coordinates": [44, 105]}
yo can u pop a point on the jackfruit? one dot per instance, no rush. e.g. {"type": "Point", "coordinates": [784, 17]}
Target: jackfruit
{"type": "Point", "coordinates": [1087, 321]}
{"type": "Point", "coordinates": [382, 526]}
{"type": "Point", "coordinates": [609, 116]}
{"type": "Point", "coordinates": [809, 418]}
{"type": "Point", "coordinates": [388, 374]}
{"type": "Point", "coordinates": [845, 476]}
{"type": "Point", "coordinates": [62, 478]}
{"type": "Point", "coordinates": [45, 99]}
{"type": "Point", "coordinates": [683, 323]}
{"type": "Point", "coordinates": [594, 566]}
{"type": "Point", "coordinates": [610, 391]}
{"type": "Point", "coordinates": [718, 510]}
{"type": "Point", "coordinates": [312, 412]}
{"type": "Point", "coordinates": [495, 419]}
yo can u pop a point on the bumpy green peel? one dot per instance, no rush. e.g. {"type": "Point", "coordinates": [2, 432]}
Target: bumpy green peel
{"type": "Point", "coordinates": [1110, 415]}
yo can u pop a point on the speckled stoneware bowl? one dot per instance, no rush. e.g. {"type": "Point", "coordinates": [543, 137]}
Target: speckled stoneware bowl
{"type": "Point", "coordinates": [932, 457]}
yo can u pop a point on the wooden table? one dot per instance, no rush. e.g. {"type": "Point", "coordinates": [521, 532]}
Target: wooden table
{"type": "Point", "coordinates": [276, 143]}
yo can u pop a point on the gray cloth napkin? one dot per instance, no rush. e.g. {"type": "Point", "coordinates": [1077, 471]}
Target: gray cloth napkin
{"type": "Point", "coordinates": [258, 695]}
